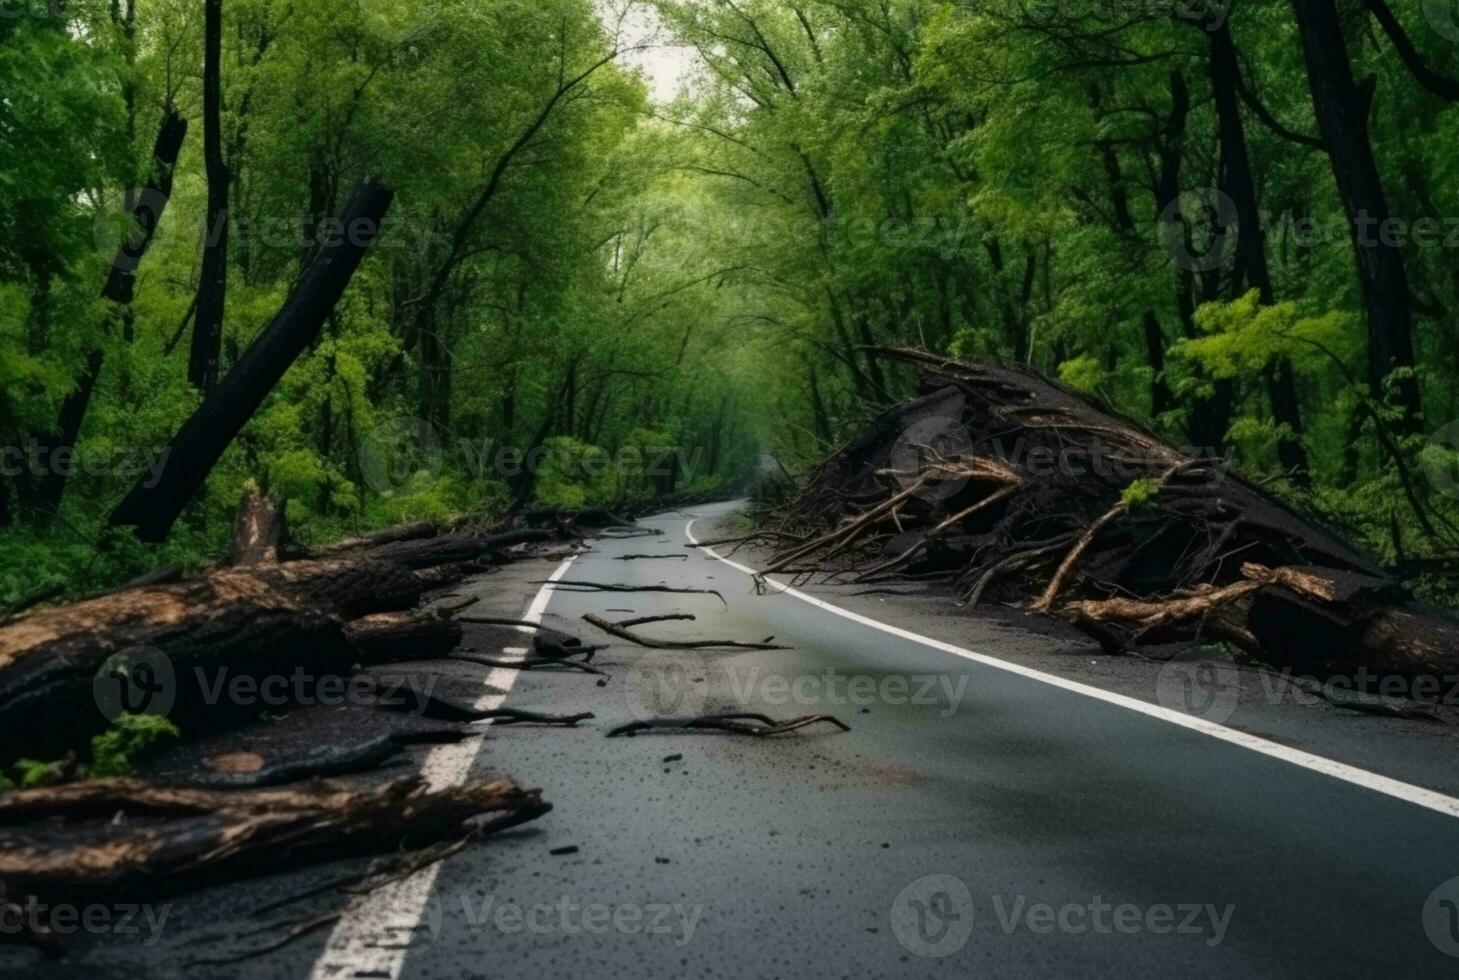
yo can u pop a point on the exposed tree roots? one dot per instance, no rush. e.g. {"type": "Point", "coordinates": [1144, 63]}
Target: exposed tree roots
{"type": "Point", "coordinates": [1028, 494]}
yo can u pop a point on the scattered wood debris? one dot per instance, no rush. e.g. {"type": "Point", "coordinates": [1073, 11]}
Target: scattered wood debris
{"type": "Point", "coordinates": [577, 586]}
{"type": "Point", "coordinates": [743, 723]}
{"type": "Point", "coordinates": [1019, 491]}
{"type": "Point", "coordinates": [624, 633]}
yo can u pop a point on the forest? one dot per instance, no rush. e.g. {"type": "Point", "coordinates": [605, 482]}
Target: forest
{"type": "Point", "coordinates": [400, 260]}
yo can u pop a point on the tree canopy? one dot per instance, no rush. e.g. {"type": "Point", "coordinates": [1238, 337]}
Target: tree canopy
{"type": "Point", "coordinates": [1234, 221]}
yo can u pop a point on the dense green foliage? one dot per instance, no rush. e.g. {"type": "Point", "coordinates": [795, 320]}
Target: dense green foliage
{"type": "Point", "coordinates": [602, 281]}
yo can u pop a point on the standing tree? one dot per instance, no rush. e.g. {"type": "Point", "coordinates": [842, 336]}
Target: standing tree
{"type": "Point", "coordinates": [207, 335]}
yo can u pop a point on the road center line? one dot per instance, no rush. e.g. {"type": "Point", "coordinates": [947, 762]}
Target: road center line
{"type": "Point", "coordinates": [374, 935]}
{"type": "Point", "coordinates": [1407, 792]}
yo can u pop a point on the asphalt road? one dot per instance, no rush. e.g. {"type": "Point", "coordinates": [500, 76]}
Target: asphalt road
{"type": "Point", "coordinates": [974, 822]}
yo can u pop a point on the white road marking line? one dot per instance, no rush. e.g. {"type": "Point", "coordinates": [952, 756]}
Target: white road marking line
{"type": "Point", "coordinates": [373, 936]}
{"type": "Point", "coordinates": [1407, 792]}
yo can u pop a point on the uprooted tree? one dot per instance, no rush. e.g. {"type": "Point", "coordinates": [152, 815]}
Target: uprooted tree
{"type": "Point", "coordinates": [1018, 490]}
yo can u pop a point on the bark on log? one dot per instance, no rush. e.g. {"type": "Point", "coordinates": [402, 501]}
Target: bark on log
{"type": "Point", "coordinates": [225, 625]}
{"type": "Point", "coordinates": [190, 836]}
{"type": "Point", "coordinates": [452, 548]}
{"type": "Point", "coordinates": [395, 637]}
{"type": "Point", "coordinates": [349, 588]}
{"type": "Point", "coordinates": [403, 532]}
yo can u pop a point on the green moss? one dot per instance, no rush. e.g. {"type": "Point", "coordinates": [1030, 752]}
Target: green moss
{"type": "Point", "coordinates": [113, 751]}
{"type": "Point", "coordinates": [1138, 494]}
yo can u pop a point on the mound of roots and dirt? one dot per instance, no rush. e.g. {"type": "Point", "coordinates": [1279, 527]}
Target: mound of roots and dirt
{"type": "Point", "coordinates": [1014, 490]}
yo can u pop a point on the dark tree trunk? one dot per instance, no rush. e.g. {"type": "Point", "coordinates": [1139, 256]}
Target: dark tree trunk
{"type": "Point", "coordinates": [716, 435]}
{"type": "Point", "coordinates": [203, 438]}
{"type": "Point", "coordinates": [207, 337]}
{"type": "Point", "coordinates": [435, 369]}
{"type": "Point", "coordinates": [818, 407]}
{"type": "Point", "coordinates": [1342, 107]}
{"type": "Point", "coordinates": [1251, 241]}
{"type": "Point", "coordinates": [1161, 400]}
{"type": "Point", "coordinates": [859, 380]}
{"type": "Point", "coordinates": [1210, 417]}
{"type": "Point", "coordinates": [145, 213]}
{"type": "Point", "coordinates": [524, 484]}
{"type": "Point", "coordinates": [147, 209]}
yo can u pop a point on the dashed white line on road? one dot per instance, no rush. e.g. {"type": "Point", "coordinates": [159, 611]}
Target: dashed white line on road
{"type": "Point", "coordinates": [375, 933]}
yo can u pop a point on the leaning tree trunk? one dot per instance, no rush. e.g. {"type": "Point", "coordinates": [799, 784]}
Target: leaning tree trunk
{"type": "Point", "coordinates": [203, 438]}
{"type": "Point", "coordinates": [144, 216]}
{"type": "Point", "coordinates": [1343, 107]}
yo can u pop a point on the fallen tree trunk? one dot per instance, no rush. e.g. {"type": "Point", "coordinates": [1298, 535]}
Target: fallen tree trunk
{"type": "Point", "coordinates": [1035, 496]}
{"type": "Point", "coordinates": [189, 636]}
{"type": "Point", "coordinates": [396, 637]}
{"type": "Point", "coordinates": [393, 535]}
{"type": "Point", "coordinates": [127, 837]}
{"type": "Point", "coordinates": [452, 548]}
{"type": "Point", "coordinates": [188, 643]}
